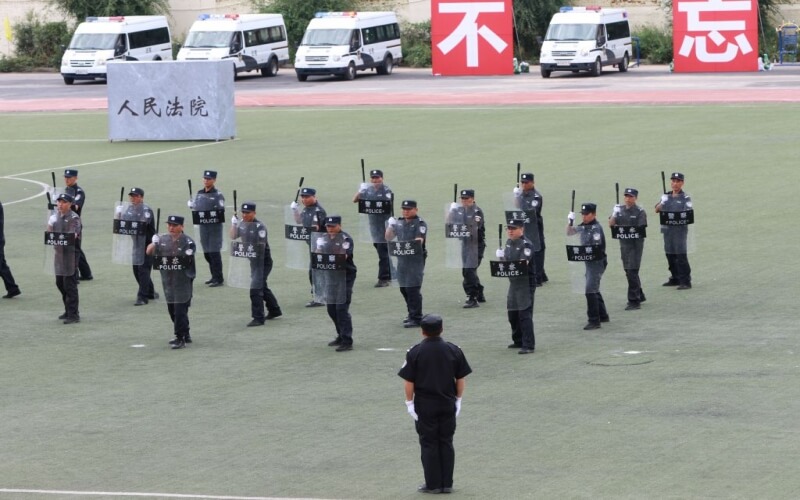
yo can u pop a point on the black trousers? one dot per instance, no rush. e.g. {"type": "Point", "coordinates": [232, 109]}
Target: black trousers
{"type": "Point", "coordinates": [595, 308]}
{"type": "Point", "coordinates": [413, 298]}
{"type": "Point", "coordinates": [260, 294]}
{"type": "Point", "coordinates": [179, 314]}
{"type": "Point", "coordinates": [84, 270]}
{"type": "Point", "coordinates": [635, 293]}
{"type": "Point", "coordinates": [679, 268]}
{"type": "Point", "coordinates": [68, 286]}
{"type": "Point", "coordinates": [5, 273]}
{"type": "Point", "coordinates": [522, 327]}
{"type": "Point", "coordinates": [340, 314]}
{"type": "Point", "coordinates": [214, 260]}
{"type": "Point", "coordinates": [472, 284]}
{"type": "Point", "coordinates": [142, 275]}
{"type": "Point", "coordinates": [384, 271]}
{"type": "Point", "coordinates": [436, 427]}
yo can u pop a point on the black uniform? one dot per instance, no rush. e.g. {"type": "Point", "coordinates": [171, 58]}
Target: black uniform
{"type": "Point", "coordinates": [177, 276]}
{"type": "Point", "coordinates": [66, 260]}
{"type": "Point", "coordinates": [676, 241]}
{"type": "Point", "coordinates": [211, 236]}
{"type": "Point", "coordinates": [377, 228]}
{"type": "Point", "coordinates": [472, 248]}
{"type": "Point", "coordinates": [77, 193]}
{"type": "Point", "coordinates": [631, 246]}
{"type": "Point", "coordinates": [531, 202]}
{"type": "Point", "coordinates": [142, 212]}
{"type": "Point", "coordinates": [339, 310]}
{"type": "Point", "coordinates": [411, 269]}
{"type": "Point", "coordinates": [433, 366]}
{"type": "Point", "coordinates": [521, 294]}
{"type": "Point", "coordinates": [312, 218]}
{"type": "Point", "coordinates": [592, 235]}
{"type": "Point", "coordinates": [12, 288]}
{"type": "Point", "coordinates": [255, 233]}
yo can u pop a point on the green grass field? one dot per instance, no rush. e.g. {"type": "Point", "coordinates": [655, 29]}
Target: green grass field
{"type": "Point", "coordinates": [694, 396]}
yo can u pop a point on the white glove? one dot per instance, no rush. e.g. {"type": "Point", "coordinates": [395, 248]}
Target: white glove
{"type": "Point", "coordinates": [234, 220]}
{"type": "Point", "coordinates": [453, 206]}
{"type": "Point", "coordinates": [517, 191]}
{"type": "Point", "coordinates": [617, 209]}
{"type": "Point", "coordinates": [458, 406]}
{"type": "Point", "coordinates": [118, 211]}
{"type": "Point", "coordinates": [320, 242]}
{"type": "Point", "coordinates": [664, 198]}
{"type": "Point", "coordinates": [392, 221]}
{"type": "Point", "coordinates": [499, 253]}
{"type": "Point", "coordinates": [364, 186]}
{"type": "Point", "coordinates": [52, 220]}
{"type": "Point", "coordinates": [389, 196]}
{"type": "Point", "coordinates": [155, 239]}
{"type": "Point", "coordinates": [190, 204]}
{"type": "Point", "coordinates": [411, 410]}
{"type": "Point", "coordinates": [571, 217]}
{"type": "Point", "coordinates": [293, 206]}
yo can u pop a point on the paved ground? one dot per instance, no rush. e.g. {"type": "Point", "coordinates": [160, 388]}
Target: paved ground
{"type": "Point", "coordinates": [645, 85]}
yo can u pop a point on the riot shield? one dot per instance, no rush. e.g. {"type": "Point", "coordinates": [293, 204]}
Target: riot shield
{"type": "Point", "coordinates": [407, 261]}
{"type": "Point", "coordinates": [246, 265]}
{"type": "Point", "coordinates": [60, 257]}
{"type": "Point", "coordinates": [174, 261]}
{"type": "Point", "coordinates": [374, 209]}
{"type": "Point", "coordinates": [129, 233]}
{"type": "Point", "coordinates": [678, 230]}
{"type": "Point", "coordinates": [462, 250]}
{"type": "Point", "coordinates": [582, 257]}
{"type": "Point", "coordinates": [208, 220]}
{"type": "Point", "coordinates": [520, 282]}
{"type": "Point", "coordinates": [297, 240]}
{"type": "Point", "coordinates": [328, 269]}
{"type": "Point", "coordinates": [513, 208]}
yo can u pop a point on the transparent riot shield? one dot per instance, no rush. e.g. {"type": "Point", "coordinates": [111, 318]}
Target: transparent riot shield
{"type": "Point", "coordinates": [583, 257]}
{"type": "Point", "coordinates": [524, 208]}
{"type": "Point", "coordinates": [60, 256]}
{"type": "Point", "coordinates": [246, 265]}
{"type": "Point", "coordinates": [374, 209]}
{"type": "Point", "coordinates": [174, 259]}
{"type": "Point", "coordinates": [129, 233]}
{"type": "Point", "coordinates": [517, 272]}
{"type": "Point", "coordinates": [297, 240]}
{"type": "Point", "coordinates": [328, 272]}
{"type": "Point", "coordinates": [208, 221]}
{"type": "Point", "coordinates": [407, 258]}
{"type": "Point", "coordinates": [462, 241]}
{"type": "Point", "coordinates": [678, 230]}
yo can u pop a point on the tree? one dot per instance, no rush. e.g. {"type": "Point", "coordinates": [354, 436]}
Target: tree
{"type": "Point", "coordinates": [81, 9]}
{"type": "Point", "coordinates": [531, 18]}
{"type": "Point", "coordinates": [297, 13]}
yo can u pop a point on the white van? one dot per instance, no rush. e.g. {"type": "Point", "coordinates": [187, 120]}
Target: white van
{"type": "Point", "coordinates": [339, 43]}
{"type": "Point", "coordinates": [103, 39]}
{"type": "Point", "coordinates": [250, 41]}
{"type": "Point", "coordinates": [586, 39]}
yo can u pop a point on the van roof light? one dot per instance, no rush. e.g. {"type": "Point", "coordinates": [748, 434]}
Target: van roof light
{"type": "Point", "coordinates": [595, 8]}
{"type": "Point", "coordinates": [231, 16]}
{"type": "Point", "coordinates": [92, 19]}
{"type": "Point", "coordinates": [336, 14]}
{"type": "Point", "coordinates": [565, 8]}
{"type": "Point", "coordinates": [203, 17]}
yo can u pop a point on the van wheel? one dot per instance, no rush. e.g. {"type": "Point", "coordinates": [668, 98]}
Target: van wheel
{"type": "Point", "coordinates": [545, 72]}
{"type": "Point", "coordinates": [271, 69]}
{"type": "Point", "coordinates": [69, 80]}
{"type": "Point", "coordinates": [350, 74]}
{"type": "Point", "coordinates": [387, 66]}
{"type": "Point", "coordinates": [301, 78]}
{"type": "Point", "coordinates": [597, 69]}
{"type": "Point", "coordinates": [623, 65]}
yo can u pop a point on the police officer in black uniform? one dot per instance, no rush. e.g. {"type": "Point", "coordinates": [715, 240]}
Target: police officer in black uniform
{"type": "Point", "coordinates": [628, 223]}
{"type": "Point", "coordinates": [12, 289]}
{"type": "Point", "coordinates": [73, 189]}
{"type": "Point", "coordinates": [138, 210]}
{"type": "Point", "coordinates": [64, 220]}
{"type": "Point", "coordinates": [209, 199]}
{"type": "Point", "coordinates": [337, 242]}
{"type": "Point", "coordinates": [312, 217]}
{"type": "Point", "coordinates": [591, 234]}
{"type": "Point", "coordinates": [434, 372]}
{"type": "Point", "coordinates": [676, 236]}
{"type": "Point", "coordinates": [521, 289]}
{"type": "Point", "coordinates": [530, 200]}
{"type": "Point", "coordinates": [469, 215]}
{"type": "Point", "coordinates": [410, 268]}
{"type": "Point", "coordinates": [377, 191]}
{"type": "Point", "coordinates": [174, 255]}
{"type": "Point", "coordinates": [253, 232]}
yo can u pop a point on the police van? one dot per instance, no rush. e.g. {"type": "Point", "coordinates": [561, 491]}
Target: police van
{"type": "Point", "coordinates": [586, 39]}
{"type": "Point", "coordinates": [252, 42]}
{"type": "Point", "coordinates": [101, 39]}
{"type": "Point", "coordinates": [341, 43]}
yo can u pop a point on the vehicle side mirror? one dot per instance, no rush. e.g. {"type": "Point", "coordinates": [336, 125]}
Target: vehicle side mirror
{"type": "Point", "coordinates": [601, 40]}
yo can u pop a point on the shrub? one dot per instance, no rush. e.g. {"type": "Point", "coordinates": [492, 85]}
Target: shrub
{"type": "Point", "coordinates": [655, 44]}
{"type": "Point", "coordinates": [416, 44]}
{"type": "Point", "coordinates": [38, 44]}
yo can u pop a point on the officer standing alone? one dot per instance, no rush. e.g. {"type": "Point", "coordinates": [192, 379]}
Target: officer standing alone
{"type": "Point", "coordinates": [676, 236]}
{"type": "Point", "coordinates": [66, 224]}
{"type": "Point", "coordinates": [469, 217]}
{"type": "Point", "coordinates": [521, 289]}
{"type": "Point", "coordinates": [208, 207]}
{"type": "Point", "coordinates": [628, 224]}
{"type": "Point", "coordinates": [592, 235]}
{"type": "Point", "coordinates": [73, 189]}
{"type": "Point", "coordinates": [435, 374]}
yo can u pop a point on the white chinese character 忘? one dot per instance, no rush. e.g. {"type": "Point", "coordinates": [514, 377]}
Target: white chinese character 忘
{"type": "Point", "coordinates": [713, 28]}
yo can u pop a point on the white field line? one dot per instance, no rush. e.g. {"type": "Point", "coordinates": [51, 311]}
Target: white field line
{"type": "Point", "coordinates": [17, 491]}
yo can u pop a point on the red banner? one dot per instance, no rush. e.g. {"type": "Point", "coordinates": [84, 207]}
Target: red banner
{"type": "Point", "coordinates": [471, 37]}
{"type": "Point", "coordinates": [715, 35]}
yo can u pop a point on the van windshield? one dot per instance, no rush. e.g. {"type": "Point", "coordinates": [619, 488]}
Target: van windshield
{"type": "Point", "coordinates": [571, 32]}
{"type": "Point", "coordinates": [208, 39]}
{"type": "Point", "coordinates": [93, 41]}
{"type": "Point", "coordinates": [327, 37]}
